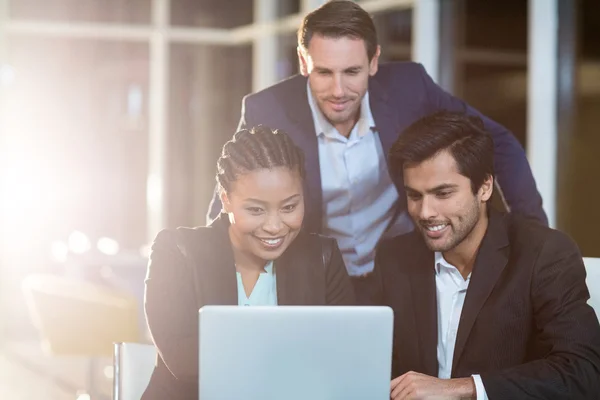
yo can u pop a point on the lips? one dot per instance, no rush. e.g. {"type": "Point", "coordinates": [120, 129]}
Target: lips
{"type": "Point", "coordinates": [435, 231]}
{"type": "Point", "coordinates": [271, 243]}
{"type": "Point", "coordinates": [339, 105]}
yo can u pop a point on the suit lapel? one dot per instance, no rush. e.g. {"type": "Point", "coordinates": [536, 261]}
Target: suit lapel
{"type": "Point", "coordinates": [217, 267]}
{"type": "Point", "coordinates": [299, 114]}
{"type": "Point", "coordinates": [384, 115]}
{"type": "Point", "coordinates": [295, 286]}
{"type": "Point", "coordinates": [387, 124]}
{"type": "Point", "coordinates": [424, 297]}
{"type": "Point", "coordinates": [489, 264]}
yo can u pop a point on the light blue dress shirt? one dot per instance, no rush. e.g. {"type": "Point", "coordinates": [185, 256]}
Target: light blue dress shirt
{"type": "Point", "coordinates": [264, 292]}
{"type": "Point", "coordinates": [451, 292]}
{"type": "Point", "coordinates": [358, 193]}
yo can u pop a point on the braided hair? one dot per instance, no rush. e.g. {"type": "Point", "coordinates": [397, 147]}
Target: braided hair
{"type": "Point", "coordinates": [258, 148]}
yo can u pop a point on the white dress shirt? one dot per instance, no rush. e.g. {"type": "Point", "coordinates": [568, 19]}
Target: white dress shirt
{"type": "Point", "coordinates": [358, 193]}
{"type": "Point", "coordinates": [451, 291]}
{"type": "Point", "coordinates": [264, 292]}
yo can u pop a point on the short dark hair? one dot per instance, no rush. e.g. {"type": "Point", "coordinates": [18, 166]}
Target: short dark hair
{"type": "Point", "coordinates": [464, 136]}
{"type": "Point", "coordinates": [258, 148]}
{"type": "Point", "coordinates": [336, 19]}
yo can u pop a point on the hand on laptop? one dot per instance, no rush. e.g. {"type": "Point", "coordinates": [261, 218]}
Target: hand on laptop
{"type": "Point", "coordinates": [416, 386]}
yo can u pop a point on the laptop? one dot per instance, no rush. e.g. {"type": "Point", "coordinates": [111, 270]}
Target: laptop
{"type": "Point", "coordinates": [295, 352]}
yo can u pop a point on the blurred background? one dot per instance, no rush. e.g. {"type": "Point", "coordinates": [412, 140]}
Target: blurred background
{"type": "Point", "coordinates": [113, 113]}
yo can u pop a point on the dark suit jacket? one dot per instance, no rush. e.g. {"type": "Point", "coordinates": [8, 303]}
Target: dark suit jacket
{"type": "Point", "coordinates": [399, 94]}
{"type": "Point", "coordinates": [178, 285]}
{"type": "Point", "coordinates": [525, 326]}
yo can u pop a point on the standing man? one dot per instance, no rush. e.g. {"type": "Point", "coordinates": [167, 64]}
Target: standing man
{"type": "Point", "coordinates": [486, 305]}
{"type": "Point", "coordinates": [345, 111]}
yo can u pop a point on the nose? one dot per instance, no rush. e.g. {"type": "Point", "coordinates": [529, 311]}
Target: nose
{"type": "Point", "coordinates": [272, 225]}
{"type": "Point", "coordinates": [338, 86]}
{"type": "Point", "coordinates": [427, 210]}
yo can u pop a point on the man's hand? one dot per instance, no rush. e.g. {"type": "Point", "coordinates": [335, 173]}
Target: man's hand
{"type": "Point", "coordinates": [415, 386]}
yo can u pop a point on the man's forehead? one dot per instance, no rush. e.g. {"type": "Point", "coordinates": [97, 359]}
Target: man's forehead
{"type": "Point", "coordinates": [322, 46]}
{"type": "Point", "coordinates": [432, 174]}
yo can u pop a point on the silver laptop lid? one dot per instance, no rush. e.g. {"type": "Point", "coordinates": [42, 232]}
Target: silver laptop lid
{"type": "Point", "coordinates": [295, 352]}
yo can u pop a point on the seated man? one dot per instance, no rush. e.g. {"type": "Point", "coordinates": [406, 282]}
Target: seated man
{"type": "Point", "coordinates": [486, 305]}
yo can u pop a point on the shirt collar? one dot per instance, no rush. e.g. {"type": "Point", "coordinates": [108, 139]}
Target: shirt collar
{"type": "Point", "coordinates": [440, 262]}
{"type": "Point", "coordinates": [269, 268]}
{"type": "Point", "coordinates": [365, 123]}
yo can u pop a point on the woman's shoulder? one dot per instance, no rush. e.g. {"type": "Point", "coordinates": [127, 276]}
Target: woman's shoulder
{"type": "Point", "coordinates": [314, 241]}
{"type": "Point", "coordinates": [182, 238]}
{"type": "Point", "coordinates": [171, 235]}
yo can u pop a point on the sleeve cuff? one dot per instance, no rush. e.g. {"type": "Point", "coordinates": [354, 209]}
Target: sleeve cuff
{"type": "Point", "coordinates": [479, 388]}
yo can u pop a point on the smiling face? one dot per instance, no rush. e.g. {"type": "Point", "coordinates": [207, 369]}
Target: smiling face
{"type": "Point", "coordinates": [442, 204]}
{"type": "Point", "coordinates": [266, 209]}
{"type": "Point", "coordinates": [338, 71]}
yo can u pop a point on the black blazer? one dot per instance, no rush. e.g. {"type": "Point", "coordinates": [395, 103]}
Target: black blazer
{"type": "Point", "coordinates": [525, 326]}
{"type": "Point", "coordinates": [190, 268]}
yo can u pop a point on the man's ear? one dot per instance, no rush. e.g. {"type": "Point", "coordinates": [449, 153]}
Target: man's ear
{"type": "Point", "coordinates": [374, 63]}
{"type": "Point", "coordinates": [302, 60]}
{"type": "Point", "coordinates": [487, 188]}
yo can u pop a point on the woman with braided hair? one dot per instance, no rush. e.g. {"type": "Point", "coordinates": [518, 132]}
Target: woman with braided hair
{"type": "Point", "coordinates": [254, 253]}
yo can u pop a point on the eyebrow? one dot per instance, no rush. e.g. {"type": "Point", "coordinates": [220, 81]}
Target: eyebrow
{"type": "Point", "coordinates": [352, 68]}
{"type": "Point", "coordinates": [264, 202]}
{"type": "Point", "coordinates": [322, 69]}
{"type": "Point", "coordinates": [443, 186]}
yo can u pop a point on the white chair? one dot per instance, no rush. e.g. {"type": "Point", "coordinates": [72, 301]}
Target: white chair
{"type": "Point", "coordinates": [133, 367]}
{"type": "Point", "coordinates": [592, 268]}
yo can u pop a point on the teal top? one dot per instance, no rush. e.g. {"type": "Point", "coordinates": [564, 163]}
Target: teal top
{"type": "Point", "coordinates": [264, 292]}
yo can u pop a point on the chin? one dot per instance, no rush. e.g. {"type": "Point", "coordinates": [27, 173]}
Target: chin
{"type": "Point", "coordinates": [338, 117]}
{"type": "Point", "coordinates": [434, 245]}
{"type": "Point", "coordinates": [437, 249]}
{"type": "Point", "coordinates": [270, 255]}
